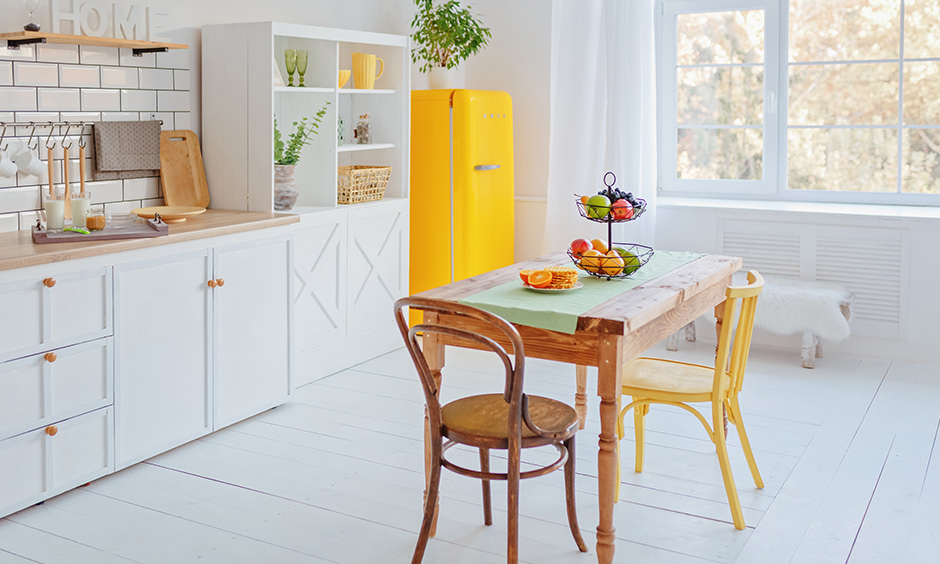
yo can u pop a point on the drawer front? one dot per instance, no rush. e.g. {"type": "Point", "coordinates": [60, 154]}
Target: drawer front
{"type": "Point", "coordinates": [40, 389]}
{"type": "Point", "coordinates": [50, 460]}
{"type": "Point", "coordinates": [56, 311]}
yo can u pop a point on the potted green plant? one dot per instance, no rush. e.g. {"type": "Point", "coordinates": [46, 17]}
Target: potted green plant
{"type": "Point", "coordinates": [445, 35]}
{"type": "Point", "coordinates": [287, 155]}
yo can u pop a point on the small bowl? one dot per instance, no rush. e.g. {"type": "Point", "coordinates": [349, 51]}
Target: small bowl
{"type": "Point", "coordinates": [344, 77]}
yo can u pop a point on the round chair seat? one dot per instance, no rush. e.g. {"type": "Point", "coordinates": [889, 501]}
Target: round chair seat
{"type": "Point", "coordinates": [484, 420]}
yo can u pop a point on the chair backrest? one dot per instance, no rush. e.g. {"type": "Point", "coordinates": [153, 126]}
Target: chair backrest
{"type": "Point", "coordinates": [734, 342]}
{"type": "Point", "coordinates": [513, 362]}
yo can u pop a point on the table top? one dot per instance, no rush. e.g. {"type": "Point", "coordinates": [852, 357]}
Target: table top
{"type": "Point", "coordinates": [622, 314]}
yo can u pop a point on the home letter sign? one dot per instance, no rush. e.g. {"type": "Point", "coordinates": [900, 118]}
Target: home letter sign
{"type": "Point", "coordinates": [92, 17]}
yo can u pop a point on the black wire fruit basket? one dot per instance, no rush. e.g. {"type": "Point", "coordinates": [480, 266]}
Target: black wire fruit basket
{"type": "Point", "coordinates": [630, 256]}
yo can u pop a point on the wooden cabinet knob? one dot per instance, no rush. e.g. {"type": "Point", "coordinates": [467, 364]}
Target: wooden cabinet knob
{"type": "Point", "coordinates": [213, 283]}
{"type": "Point", "coordinates": [51, 430]}
{"type": "Point", "coordinates": [220, 282]}
{"type": "Point", "coordinates": [49, 282]}
{"type": "Point", "coordinates": [51, 356]}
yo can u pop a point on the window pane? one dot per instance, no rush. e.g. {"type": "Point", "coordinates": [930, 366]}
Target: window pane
{"type": "Point", "coordinates": [855, 160]}
{"type": "Point", "coordinates": [858, 94]}
{"type": "Point", "coordinates": [921, 25]}
{"type": "Point", "coordinates": [719, 154]}
{"type": "Point", "coordinates": [921, 87]}
{"type": "Point", "coordinates": [721, 96]}
{"type": "Point", "coordinates": [721, 37]}
{"type": "Point", "coordinates": [849, 30]}
{"type": "Point", "coordinates": [921, 165]}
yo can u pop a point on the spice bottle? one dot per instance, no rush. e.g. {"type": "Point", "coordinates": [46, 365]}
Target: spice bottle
{"type": "Point", "coordinates": [364, 130]}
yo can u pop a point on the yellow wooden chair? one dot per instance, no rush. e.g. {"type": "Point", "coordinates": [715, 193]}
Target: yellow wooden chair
{"type": "Point", "coordinates": [653, 380]}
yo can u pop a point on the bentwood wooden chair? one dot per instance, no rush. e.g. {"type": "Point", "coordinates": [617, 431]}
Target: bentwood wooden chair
{"type": "Point", "coordinates": [511, 420]}
{"type": "Point", "coordinates": [652, 380]}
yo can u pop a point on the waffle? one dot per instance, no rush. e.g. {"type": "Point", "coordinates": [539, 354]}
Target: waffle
{"type": "Point", "coordinates": [562, 277]}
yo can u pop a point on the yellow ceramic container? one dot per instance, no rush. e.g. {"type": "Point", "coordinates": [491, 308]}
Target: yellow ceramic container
{"type": "Point", "coordinates": [344, 77]}
{"type": "Point", "coordinates": [364, 76]}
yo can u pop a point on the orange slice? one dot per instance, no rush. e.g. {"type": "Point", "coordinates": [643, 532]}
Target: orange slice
{"type": "Point", "coordinates": [540, 278]}
{"type": "Point", "coordinates": [524, 274]}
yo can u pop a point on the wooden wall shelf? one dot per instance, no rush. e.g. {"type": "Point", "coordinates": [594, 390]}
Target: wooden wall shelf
{"type": "Point", "coordinates": [14, 40]}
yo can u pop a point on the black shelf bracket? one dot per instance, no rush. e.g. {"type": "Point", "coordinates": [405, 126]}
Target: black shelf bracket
{"type": "Point", "coordinates": [14, 44]}
{"type": "Point", "coordinates": [140, 52]}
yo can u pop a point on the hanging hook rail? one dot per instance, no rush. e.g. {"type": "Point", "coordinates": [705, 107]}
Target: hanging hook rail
{"type": "Point", "coordinates": [49, 137]}
{"type": "Point", "coordinates": [50, 123]}
{"type": "Point", "coordinates": [2, 135]}
{"type": "Point", "coordinates": [65, 137]}
{"type": "Point", "coordinates": [32, 133]}
{"type": "Point", "coordinates": [81, 135]}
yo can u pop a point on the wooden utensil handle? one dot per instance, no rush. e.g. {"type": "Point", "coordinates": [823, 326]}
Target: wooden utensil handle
{"type": "Point", "coordinates": [49, 156]}
{"type": "Point", "coordinates": [81, 168]}
{"type": "Point", "coordinates": [65, 178]}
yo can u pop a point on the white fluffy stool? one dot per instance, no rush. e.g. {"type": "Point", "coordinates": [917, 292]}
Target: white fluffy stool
{"type": "Point", "coordinates": [818, 310]}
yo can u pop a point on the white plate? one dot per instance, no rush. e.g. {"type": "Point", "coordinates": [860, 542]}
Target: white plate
{"type": "Point", "coordinates": [553, 290]}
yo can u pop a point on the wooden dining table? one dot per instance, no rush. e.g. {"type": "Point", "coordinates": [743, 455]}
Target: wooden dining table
{"type": "Point", "coordinates": [607, 336]}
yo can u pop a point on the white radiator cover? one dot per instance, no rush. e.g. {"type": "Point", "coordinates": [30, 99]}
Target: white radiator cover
{"type": "Point", "coordinates": [873, 263]}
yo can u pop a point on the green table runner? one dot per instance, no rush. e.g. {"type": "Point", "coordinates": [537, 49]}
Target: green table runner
{"type": "Point", "coordinates": [559, 311]}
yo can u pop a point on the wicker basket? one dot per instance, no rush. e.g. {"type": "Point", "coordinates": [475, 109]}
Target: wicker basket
{"type": "Point", "coordinates": [356, 184]}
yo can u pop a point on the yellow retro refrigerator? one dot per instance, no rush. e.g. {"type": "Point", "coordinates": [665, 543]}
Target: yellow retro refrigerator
{"type": "Point", "coordinates": [461, 185]}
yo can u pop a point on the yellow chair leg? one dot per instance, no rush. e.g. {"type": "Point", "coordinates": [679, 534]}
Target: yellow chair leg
{"type": "Point", "coordinates": [735, 409]}
{"type": "Point", "coordinates": [722, 449]}
{"type": "Point", "coordinates": [639, 425]}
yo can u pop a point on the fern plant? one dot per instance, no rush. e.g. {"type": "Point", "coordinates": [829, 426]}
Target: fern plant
{"type": "Point", "coordinates": [445, 35]}
{"type": "Point", "coordinates": [289, 153]}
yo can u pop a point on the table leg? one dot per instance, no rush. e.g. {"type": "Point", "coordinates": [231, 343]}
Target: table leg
{"type": "Point", "coordinates": [609, 378]}
{"type": "Point", "coordinates": [719, 320]}
{"type": "Point", "coordinates": [580, 396]}
{"type": "Point", "coordinates": [434, 353]}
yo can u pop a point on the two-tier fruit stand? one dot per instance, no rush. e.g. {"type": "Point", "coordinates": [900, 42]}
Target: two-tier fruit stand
{"type": "Point", "coordinates": [605, 266]}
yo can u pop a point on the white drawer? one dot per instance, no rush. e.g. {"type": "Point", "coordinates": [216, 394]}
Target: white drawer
{"type": "Point", "coordinates": [40, 389]}
{"type": "Point", "coordinates": [50, 460]}
{"type": "Point", "coordinates": [44, 313]}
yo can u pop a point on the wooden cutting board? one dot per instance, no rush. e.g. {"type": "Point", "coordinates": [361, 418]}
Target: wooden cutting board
{"type": "Point", "coordinates": [181, 170]}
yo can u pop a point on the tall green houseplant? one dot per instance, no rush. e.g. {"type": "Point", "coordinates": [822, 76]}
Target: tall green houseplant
{"type": "Point", "coordinates": [445, 35]}
{"type": "Point", "coordinates": [287, 155]}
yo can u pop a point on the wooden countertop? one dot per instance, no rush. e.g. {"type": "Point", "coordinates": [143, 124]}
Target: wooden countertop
{"type": "Point", "coordinates": [18, 250]}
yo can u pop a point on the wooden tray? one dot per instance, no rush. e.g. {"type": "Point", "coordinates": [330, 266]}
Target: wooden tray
{"type": "Point", "coordinates": [144, 230]}
{"type": "Point", "coordinates": [181, 170]}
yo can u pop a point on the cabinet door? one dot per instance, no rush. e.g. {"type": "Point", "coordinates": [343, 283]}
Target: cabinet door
{"type": "Point", "coordinates": [378, 264]}
{"type": "Point", "coordinates": [319, 274]}
{"type": "Point", "coordinates": [162, 354]}
{"type": "Point", "coordinates": [252, 329]}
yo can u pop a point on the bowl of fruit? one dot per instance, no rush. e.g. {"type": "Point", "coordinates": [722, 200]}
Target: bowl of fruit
{"type": "Point", "coordinates": [610, 205]}
{"type": "Point", "coordinates": [619, 261]}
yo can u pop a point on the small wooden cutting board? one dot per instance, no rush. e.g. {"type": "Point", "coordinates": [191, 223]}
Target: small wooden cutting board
{"type": "Point", "coordinates": [181, 170]}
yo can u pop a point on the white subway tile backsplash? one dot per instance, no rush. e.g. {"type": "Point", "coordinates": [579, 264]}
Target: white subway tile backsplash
{"type": "Point", "coordinates": [173, 101]}
{"type": "Point", "coordinates": [6, 116]}
{"type": "Point", "coordinates": [118, 77]}
{"type": "Point", "coordinates": [138, 100]}
{"type": "Point", "coordinates": [61, 99]}
{"type": "Point", "coordinates": [106, 191]}
{"type": "Point", "coordinates": [101, 100]}
{"type": "Point", "coordinates": [18, 99]}
{"type": "Point", "coordinates": [182, 120]}
{"type": "Point", "coordinates": [6, 73]}
{"type": "Point", "coordinates": [28, 220]}
{"type": "Point", "coordinates": [8, 182]}
{"type": "Point", "coordinates": [92, 55]}
{"type": "Point", "coordinates": [174, 59]}
{"type": "Point", "coordinates": [9, 222]}
{"type": "Point", "coordinates": [86, 117]}
{"type": "Point", "coordinates": [37, 117]}
{"type": "Point", "coordinates": [84, 76]}
{"type": "Point", "coordinates": [24, 53]}
{"type": "Point", "coordinates": [153, 202]}
{"type": "Point", "coordinates": [165, 117]}
{"type": "Point", "coordinates": [20, 199]}
{"type": "Point", "coordinates": [121, 207]}
{"type": "Point", "coordinates": [156, 79]}
{"type": "Point", "coordinates": [181, 80]}
{"type": "Point", "coordinates": [57, 53]}
{"type": "Point", "coordinates": [119, 116]}
{"type": "Point", "coordinates": [140, 188]}
{"type": "Point", "coordinates": [129, 60]}
{"type": "Point", "coordinates": [35, 74]}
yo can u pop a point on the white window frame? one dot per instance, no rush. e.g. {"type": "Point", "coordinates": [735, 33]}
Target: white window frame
{"type": "Point", "coordinates": [774, 184]}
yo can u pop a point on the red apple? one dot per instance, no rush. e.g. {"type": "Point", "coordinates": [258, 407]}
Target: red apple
{"type": "Point", "coordinates": [580, 246]}
{"type": "Point", "coordinates": [621, 209]}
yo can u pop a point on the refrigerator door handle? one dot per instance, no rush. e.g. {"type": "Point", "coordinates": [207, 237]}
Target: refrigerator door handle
{"type": "Point", "coordinates": [486, 167]}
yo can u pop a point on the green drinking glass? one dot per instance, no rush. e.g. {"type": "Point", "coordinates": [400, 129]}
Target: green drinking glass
{"type": "Point", "coordinates": [290, 61]}
{"type": "Point", "coordinates": [301, 65]}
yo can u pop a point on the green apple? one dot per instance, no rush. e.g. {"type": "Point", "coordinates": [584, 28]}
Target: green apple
{"type": "Point", "coordinates": [597, 206]}
{"type": "Point", "coordinates": [631, 262]}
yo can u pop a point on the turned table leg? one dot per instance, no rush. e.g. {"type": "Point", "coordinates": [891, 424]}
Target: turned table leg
{"type": "Point", "coordinates": [609, 378]}
{"type": "Point", "coordinates": [580, 396]}
{"type": "Point", "coordinates": [434, 353]}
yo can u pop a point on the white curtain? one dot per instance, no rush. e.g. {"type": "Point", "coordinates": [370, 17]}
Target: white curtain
{"type": "Point", "coordinates": [603, 115]}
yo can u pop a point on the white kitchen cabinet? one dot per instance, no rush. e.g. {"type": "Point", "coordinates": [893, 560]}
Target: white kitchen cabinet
{"type": "Point", "coordinates": [163, 364]}
{"type": "Point", "coordinates": [253, 315]}
{"type": "Point", "coordinates": [319, 272]}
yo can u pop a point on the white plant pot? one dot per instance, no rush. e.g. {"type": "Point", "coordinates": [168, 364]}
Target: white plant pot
{"type": "Point", "coordinates": [441, 78]}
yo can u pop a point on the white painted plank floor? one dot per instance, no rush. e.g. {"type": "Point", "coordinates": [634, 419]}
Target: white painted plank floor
{"type": "Point", "coordinates": [336, 476]}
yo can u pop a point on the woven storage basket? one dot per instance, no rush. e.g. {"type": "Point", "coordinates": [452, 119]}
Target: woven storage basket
{"type": "Point", "coordinates": [357, 184]}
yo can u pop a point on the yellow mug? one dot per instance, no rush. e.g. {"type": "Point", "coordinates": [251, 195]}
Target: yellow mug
{"type": "Point", "coordinates": [364, 70]}
{"type": "Point", "coordinates": [344, 77]}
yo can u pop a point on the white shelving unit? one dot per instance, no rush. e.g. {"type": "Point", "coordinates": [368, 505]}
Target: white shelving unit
{"type": "Point", "coordinates": [350, 261]}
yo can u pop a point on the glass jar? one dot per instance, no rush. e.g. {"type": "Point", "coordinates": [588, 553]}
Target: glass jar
{"type": "Point", "coordinates": [364, 130]}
